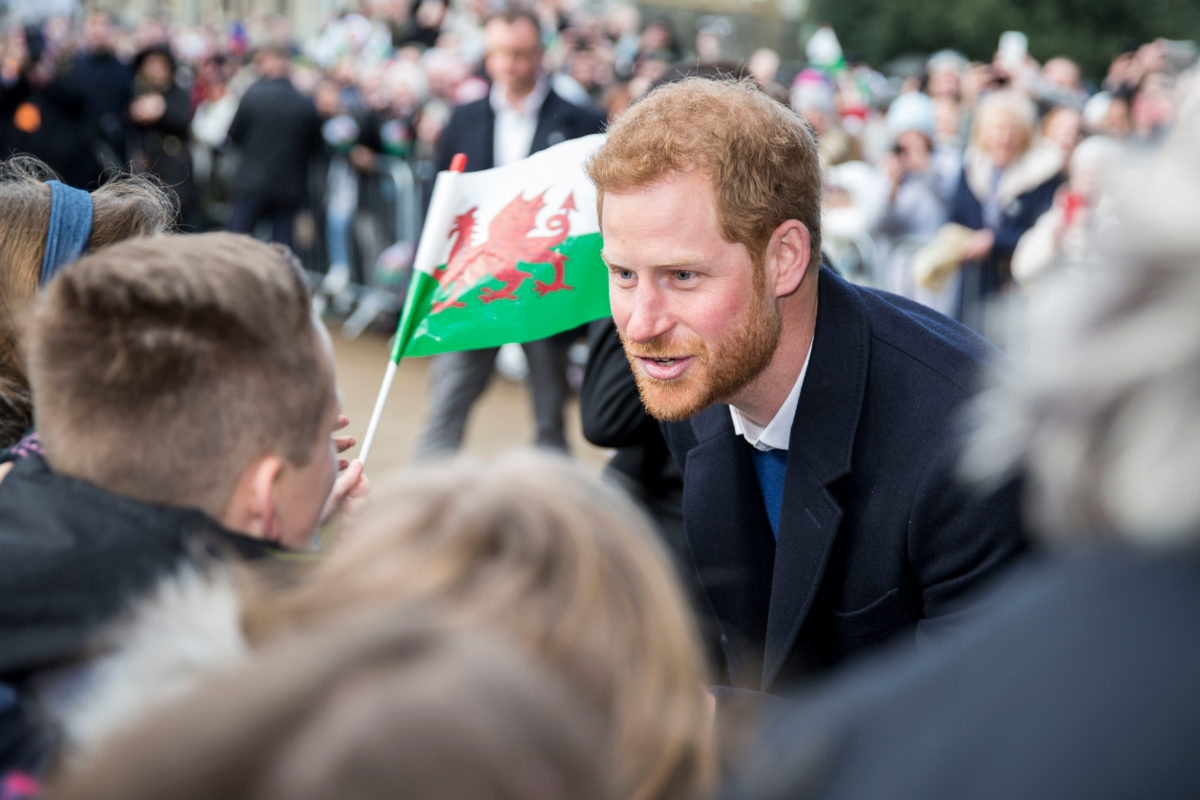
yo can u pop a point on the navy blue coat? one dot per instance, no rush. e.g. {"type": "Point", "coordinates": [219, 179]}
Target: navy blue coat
{"type": "Point", "coordinates": [876, 535]}
{"type": "Point", "coordinates": [1079, 682]}
{"type": "Point", "coordinates": [986, 277]}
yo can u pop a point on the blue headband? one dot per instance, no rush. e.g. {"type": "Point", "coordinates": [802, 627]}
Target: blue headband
{"type": "Point", "coordinates": [70, 227]}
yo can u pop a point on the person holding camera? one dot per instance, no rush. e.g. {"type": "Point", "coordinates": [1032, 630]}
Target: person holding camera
{"type": "Point", "coordinates": [917, 179]}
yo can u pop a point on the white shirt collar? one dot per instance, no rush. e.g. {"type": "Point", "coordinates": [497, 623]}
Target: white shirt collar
{"type": "Point", "coordinates": [527, 106]}
{"type": "Point", "coordinates": [778, 432]}
{"type": "Point", "coordinates": [515, 126]}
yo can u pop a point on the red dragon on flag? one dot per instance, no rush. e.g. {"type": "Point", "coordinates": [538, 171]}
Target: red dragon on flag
{"type": "Point", "coordinates": [508, 244]}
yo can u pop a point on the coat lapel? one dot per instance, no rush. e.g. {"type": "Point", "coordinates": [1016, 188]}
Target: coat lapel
{"type": "Point", "coordinates": [487, 139]}
{"type": "Point", "coordinates": [730, 540]}
{"type": "Point", "coordinates": [549, 128]}
{"type": "Point", "coordinates": [820, 452]}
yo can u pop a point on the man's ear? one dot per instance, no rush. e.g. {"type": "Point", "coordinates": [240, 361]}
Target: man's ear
{"type": "Point", "coordinates": [788, 250]}
{"type": "Point", "coordinates": [252, 508]}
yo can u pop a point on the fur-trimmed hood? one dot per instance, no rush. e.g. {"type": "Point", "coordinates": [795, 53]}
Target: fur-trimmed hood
{"type": "Point", "coordinates": [182, 632]}
{"type": "Point", "coordinates": [1033, 168]}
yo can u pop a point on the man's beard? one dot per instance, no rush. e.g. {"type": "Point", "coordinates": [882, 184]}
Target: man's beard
{"type": "Point", "coordinates": [717, 373]}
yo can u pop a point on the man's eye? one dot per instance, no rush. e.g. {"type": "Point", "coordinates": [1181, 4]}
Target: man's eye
{"type": "Point", "coordinates": [684, 274]}
{"type": "Point", "coordinates": [623, 274]}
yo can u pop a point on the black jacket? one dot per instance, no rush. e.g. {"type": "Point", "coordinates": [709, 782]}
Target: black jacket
{"type": "Point", "coordinates": [72, 557]}
{"type": "Point", "coordinates": [57, 128]}
{"type": "Point", "coordinates": [1078, 682]}
{"type": "Point", "coordinates": [472, 130]}
{"type": "Point", "coordinates": [876, 534]}
{"type": "Point", "coordinates": [104, 80]}
{"type": "Point", "coordinates": [613, 416]}
{"type": "Point", "coordinates": [276, 130]}
{"type": "Point", "coordinates": [163, 147]}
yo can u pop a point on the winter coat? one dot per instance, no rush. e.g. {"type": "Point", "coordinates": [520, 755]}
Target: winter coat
{"type": "Point", "coordinates": [1024, 191]}
{"type": "Point", "coordinates": [276, 130]}
{"type": "Point", "coordinates": [74, 557]}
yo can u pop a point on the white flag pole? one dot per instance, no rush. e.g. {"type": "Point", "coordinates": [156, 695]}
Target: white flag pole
{"type": "Point", "coordinates": [429, 253]}
{"type": "Point", "coordinates": [380, 402]}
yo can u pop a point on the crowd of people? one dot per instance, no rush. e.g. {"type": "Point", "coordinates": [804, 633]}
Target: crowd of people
{"type": "Point", "coordinates": [846, 547]}
{"type": "Point", "coordinates": [910, 158]}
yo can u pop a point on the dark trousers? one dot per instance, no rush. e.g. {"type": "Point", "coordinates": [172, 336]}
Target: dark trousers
{"type": "Point", "coordinates": [458, 379]}
{"type": "Point", "coordinates": [247, 211]}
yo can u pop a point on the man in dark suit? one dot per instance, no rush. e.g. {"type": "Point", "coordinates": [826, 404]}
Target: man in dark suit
{"type": "Point", "coordinates": [813, 419]}
{"type": "Point", "coordinates": [521, 115]}
{"type": "Point", "coordinates": [276, 130]}
{"type": "Point", "coordinates": [1080, 679]}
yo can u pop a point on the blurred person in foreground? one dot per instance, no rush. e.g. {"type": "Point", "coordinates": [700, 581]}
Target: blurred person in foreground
{"type": "Point", "coordinates": [184, 396]}
{"type": "Point", "coordinates": [373, 706]}
{"type": "Point", "coordinates": [521, 115]}
{"type": "Point", "coordinates": [813, 420]}
{"type": "Point", "coordinates": [1081, 680]}
{"type": "Point", "coordinates": [44, 226]}
{"type": "Point", "coordinates": [528, 546]}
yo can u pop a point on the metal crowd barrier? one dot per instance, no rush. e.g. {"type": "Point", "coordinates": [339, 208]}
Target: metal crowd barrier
{"type": "Point", "coordinates": [370, 224]}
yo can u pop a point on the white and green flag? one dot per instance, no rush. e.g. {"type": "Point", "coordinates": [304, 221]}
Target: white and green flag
{"type": "Point", "coordinates": [510, 254]}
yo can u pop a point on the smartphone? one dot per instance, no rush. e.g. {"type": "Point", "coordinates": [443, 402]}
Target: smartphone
{"type": "Point", "coordinates": [1012, 49]}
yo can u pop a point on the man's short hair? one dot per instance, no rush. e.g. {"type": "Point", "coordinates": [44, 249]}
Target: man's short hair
{"type": "Point", "coordinates": [760, 156]}
{"type": "Point", "coordinates": [163, 367]}
{"type": "Point", "coordinates": [514, 14]}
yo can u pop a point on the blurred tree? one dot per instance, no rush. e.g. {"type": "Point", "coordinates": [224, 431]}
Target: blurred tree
{"type": "Point", "coordinates": [1089, 31]}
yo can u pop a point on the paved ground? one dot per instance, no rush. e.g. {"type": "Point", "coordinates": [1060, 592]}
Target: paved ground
{"type": "Point", "coordinates": [502, 418]}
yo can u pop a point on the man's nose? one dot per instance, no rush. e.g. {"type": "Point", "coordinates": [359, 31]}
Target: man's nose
{"type": "Point", "coordinates": [648, 318]}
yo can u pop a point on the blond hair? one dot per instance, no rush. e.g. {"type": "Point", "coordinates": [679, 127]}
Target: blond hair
{"type": "Point", "coordinates": [163, 367]}
{"type": "Point", "coordinates": [760, 156]}
{"type": "Point", "coordinates": [126, 206]}
{"type": "Point", "coordinates": [532, 546]}
{"type": "Point", "coordinates": [1005, 103]}
{"type": "Point", "coordinates": [380, 705]}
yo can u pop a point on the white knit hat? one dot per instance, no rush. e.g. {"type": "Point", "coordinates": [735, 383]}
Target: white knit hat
{"type": "Point", "coordinates": [911, 111]}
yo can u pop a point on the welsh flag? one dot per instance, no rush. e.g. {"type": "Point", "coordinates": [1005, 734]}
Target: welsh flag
{"type": "Point", "coordinates": [510, 254]}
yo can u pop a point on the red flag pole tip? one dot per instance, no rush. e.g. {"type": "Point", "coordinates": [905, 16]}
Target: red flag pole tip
{"type": "Point", "coordinates": [459, 162]}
